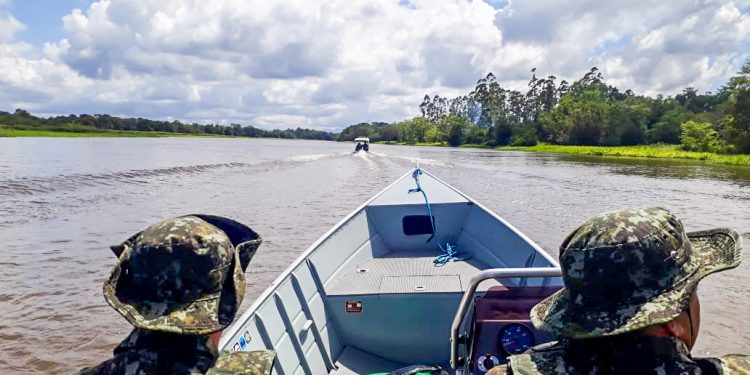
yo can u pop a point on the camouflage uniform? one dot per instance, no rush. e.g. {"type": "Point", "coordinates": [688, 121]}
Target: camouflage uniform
{"type": "Point", "coordinates": [153, 352]}
{"type": "Point", "coordinates": [625, 271]}
{"type": "Point", "coordinates": [625, 354]}
{"type": "Point", "coordinates": [176, 282]}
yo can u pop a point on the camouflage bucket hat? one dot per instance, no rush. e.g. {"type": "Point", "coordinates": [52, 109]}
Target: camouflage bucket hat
{"type": "Point", "coordinates": [630, 269]}
{"type": "Point", "coordinates": [184, 275]}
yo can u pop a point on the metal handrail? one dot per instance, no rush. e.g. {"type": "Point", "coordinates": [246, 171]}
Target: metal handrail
{"type": "Point", "coordinates": [495, 273]}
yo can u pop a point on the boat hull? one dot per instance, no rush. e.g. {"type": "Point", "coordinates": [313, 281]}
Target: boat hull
{"type": "Point", "coordinates": [367, 296]}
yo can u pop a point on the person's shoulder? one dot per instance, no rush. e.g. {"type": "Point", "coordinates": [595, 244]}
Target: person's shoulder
{"type": "Point", "coordinates": [119, 363]}
{"type": "Point", "coordinates": [94, 370]}
{"type": "Point", "coordinates": [551, 346]}
{"type": "Point", "coordinates": [735, 364]}
{"type": "Point", "coordinates": [108, 367]}
{"type": "Point", "coordinates": [126, 362]}
{"type": "Point", "coordinates": [258, 362]}
{"type": "Point", "coordinates": [544, 356]}
{"type": "Point", "coordinates": [499, 370]}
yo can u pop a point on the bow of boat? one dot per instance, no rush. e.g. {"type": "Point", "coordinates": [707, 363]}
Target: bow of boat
{"type": "Point", "coordinates": [373, 293]}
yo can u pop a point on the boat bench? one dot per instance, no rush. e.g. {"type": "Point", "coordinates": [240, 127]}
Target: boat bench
{"type": "Point", "coordinates": [401, 295]}
{"type": "Point", "coordinates": [401, 273]}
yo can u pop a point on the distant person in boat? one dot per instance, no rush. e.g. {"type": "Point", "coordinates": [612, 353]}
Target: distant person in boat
{"type": "Point", "coordinates": [630, 302]}
{"type": "Point", "coordinates": [180, 283]}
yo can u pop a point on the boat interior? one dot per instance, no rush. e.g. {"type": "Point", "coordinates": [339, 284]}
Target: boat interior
{"type": "Point", "coordinates": [368, 298]}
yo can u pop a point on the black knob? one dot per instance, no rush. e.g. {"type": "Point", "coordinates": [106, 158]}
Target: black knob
{"type": "Point", "coordinates": [488, 363]}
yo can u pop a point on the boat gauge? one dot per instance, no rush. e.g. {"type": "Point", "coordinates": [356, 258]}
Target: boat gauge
{"type": "Point", "coordinates": [516, 338]}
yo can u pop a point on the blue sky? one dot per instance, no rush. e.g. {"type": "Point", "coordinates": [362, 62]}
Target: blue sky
{"type": "Point", "coordinates": [43, 18]}
{"type": "Point", "coordinates": [327, 64]}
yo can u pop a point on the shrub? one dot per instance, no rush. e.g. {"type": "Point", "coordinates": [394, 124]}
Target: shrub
{"type": "Point", "coordinates": [669, 126]}
{"type": "Point", "coordinates": [456, 136]}
{"type": "Point", "coordinates": [523, 136]}
{"type": "Point", "coordinates": [700, 136]}
{"type": "Point", "coordinates": [476, 135]}
{"type": "Point", "coordinates": [457, 127]}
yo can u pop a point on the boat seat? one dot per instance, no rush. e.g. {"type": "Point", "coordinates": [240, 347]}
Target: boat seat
{"type": "Point", "coordinates": [399, 272]}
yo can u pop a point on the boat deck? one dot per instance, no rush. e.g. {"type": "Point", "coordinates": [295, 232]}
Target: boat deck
{"type": "Point", "coordinates": [354, 362]}
{"type": "Point", "coordinates": [404, 272]}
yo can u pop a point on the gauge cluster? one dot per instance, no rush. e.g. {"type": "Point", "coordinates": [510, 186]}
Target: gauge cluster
{"type": "Point", "coordinates": [502, 327]}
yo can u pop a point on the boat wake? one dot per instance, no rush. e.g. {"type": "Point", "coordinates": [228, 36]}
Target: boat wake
{"type": "Point", "coordinates": [35, 185]}
{"type": "Point", "coordinates": [38, 185]}
{"type": "Point", "coordinates": [35, 197]}
{"type": "Point", "coordinates": [412, 161]}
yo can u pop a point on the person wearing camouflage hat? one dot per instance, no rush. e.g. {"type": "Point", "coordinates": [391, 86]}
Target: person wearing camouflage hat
{"type": "Point", "coordinates": [180, 283]}
{"type": "Point", "coordinates": [630, 303]}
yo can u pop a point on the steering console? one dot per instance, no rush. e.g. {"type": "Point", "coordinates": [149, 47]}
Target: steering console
{"type": "Point", "coordinates": [502, 326]}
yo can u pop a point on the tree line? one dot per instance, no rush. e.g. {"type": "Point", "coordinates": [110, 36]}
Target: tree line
{"type": "Point", "coordinates": [22, 119]}
{"type": "Point", "coordinates": [586, 112]}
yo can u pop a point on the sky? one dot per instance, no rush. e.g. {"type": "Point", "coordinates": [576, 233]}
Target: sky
{"type": "Point", "coordinates": [328, 64]}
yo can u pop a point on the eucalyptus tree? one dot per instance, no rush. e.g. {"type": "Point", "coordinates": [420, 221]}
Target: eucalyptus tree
{"type": "Point", "coordinates": [738, 110]}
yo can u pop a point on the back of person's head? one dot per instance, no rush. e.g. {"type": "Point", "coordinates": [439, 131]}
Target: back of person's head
{"type": "Point", "coordinates": [184, 275]}
{"type": "Point", "coordinates": [631, 269]}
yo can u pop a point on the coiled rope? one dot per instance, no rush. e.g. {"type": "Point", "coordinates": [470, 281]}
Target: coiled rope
{"type": "Point", "coordinates": [450, 252]}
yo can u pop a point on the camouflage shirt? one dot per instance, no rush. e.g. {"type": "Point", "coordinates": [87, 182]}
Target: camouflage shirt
{"type": "Point", "coordinates": [620, 355]}
{"type": "Point", "coordinates": [150, 352]}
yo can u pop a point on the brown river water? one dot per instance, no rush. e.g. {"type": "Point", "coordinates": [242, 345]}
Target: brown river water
{"type": "Point", "coordinates": [64, 201]}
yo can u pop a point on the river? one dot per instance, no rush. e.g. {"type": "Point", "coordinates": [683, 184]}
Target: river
{"type": "Point", "coordinates": [64, 201]}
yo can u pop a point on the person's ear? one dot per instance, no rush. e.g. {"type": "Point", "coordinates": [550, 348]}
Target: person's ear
{"type": "Point", "coordinates": [672, 327]}
{"type": "Point", "coordinates": [679, 328]}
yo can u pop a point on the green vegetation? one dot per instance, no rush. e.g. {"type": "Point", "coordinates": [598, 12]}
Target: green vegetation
{"type": "Point", "coordinates": [6, 132]}
{"type": "Point", "coordinates": [587, 112]}
{"type": "Point", "coordinates": [22, 124]}
{"type": "Point", "coordinates": [550, 116]}
{"type": "Point", "coordinates": [12, 132]}
{"type": "Point", "coordinates": [644, 151]}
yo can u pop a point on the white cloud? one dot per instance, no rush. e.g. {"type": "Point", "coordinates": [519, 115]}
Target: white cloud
{"type": "Point", "coordinates": [330, 63]}
{"type": "Point", "coordinates": [28, 82]}
{"type": "Point", "coordinates": [649, 46]}
{"type": "Point", "coordinates": [9, 26]}
{"type": "Point", "coordinates": [281, 121]}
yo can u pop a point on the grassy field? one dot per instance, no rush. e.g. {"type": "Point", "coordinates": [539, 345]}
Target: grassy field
{"type": "Point", "coordinates": [646, 151]}
{"type": "Point", "coordinates": [4, 132]}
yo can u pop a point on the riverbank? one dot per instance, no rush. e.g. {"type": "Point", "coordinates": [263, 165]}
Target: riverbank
{"type": "Point", "coordinates": [46, 133]}
{"type": "Point", "coordinates": [84, 132]}
{"type": "Point", "coordinates": [645, 151]}
{"type": "Point", "coordinates": [660, 151]}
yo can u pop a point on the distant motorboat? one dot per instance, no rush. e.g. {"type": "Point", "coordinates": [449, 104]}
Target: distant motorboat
{"type": "Point", "coordinates": [378, 293]}
{"type": "Point", "coordinates": [363, 144]}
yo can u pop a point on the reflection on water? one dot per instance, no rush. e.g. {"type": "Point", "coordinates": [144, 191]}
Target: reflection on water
{"type": "Point", "coordinates": [64, 201]}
